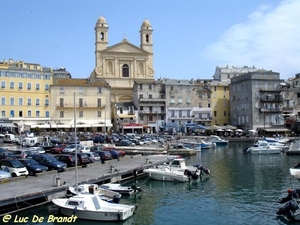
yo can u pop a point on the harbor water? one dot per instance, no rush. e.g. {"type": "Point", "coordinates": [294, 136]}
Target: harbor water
{"type": "Point", "coordinates": [241, 189]}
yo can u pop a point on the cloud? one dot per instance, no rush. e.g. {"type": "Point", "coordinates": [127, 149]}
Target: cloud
{"type": "Point", "coordinates": [269, 39]}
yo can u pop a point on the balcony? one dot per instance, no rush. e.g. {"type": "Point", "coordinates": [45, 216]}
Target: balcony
{"type": "Point", "coordinates": [85, 107]}
{"type": "Point", "coordinates": [203, 119]}
{"type": "Point", "coordinates": [270, 110]}
{"type": "Point", "coordinates": [152, 101]}
{"type": "Point", "coordinates": [276, 98]}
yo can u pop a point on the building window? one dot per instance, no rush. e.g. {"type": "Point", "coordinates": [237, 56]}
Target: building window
{"type": "Point", "coordinates": [29, 113]}
{"type": "Point", "coordinates": [150, 96]}
{"type": "Point", "coordinates": [150, 118]}
{"type": "Point", "coordinates": [180, 113]}
{"type": "Point", "coordinates": [29, 101]}
{"type": "Point", "coordinates": [37, 113]}
{"type": "Point", "coordinates": [81, 102]}
{"type": "Point", "coordinates": [99, 90]}
{"type": "Point", "coordinates": [180, 100]}
{"type": "Point", "coordinates": [225, 114]}
{"type": "Point", "coordinates": [28, 86]}
{"type": "Point", "coordinates": [37, 101]}
{"type": "Point", "coordinates": [2, 84]}
{"type": "Point", "coordinates": [99, 113]}
{"type": "Point", "coordinates": [150, 87]}
{"type": "Point", "coordinates": [172, 101]}
{"type": "Point", "coordinates": [12, 85]}
{"type": "Point", "coordinates": [141, 117]}
{"type": "Point", "coordinates": [141, 95]}
{"type": "Point", "coordinates": [172, 113]}
{"type": "Point", "coordinates": [47, 102]}
{"type": "Point", "coordinates": [141, 86]}
{"type": "Point", "coordinates": [3, 101]}
{"type": "Point", "coordinates": [61, 90]}
{"type": "Point", "coordinates": [141, 108]}
{"type": "Point", "coordinates": [20, 85]}
{"type": "Point", "coordinates": [61, 102]}
{"type": "Point", "coordinates": [20, 101]}
{"type": "Point", "coordinates": [37, 86]}
{"type": "Point", "coordinates": [125, 70]}
{"type": "Point", "coordinates": [188, 113]}
{"type": "Point", "coordinates": [80, 90]}
{"type": "Point", "coordinates": [47, 114]}
{"type": "Point", "coordinates": [12, 113]}
{"type": "Point", "coordinates": [3, 114]}
{"type": "Point", "coordinates": [20, 113]}
{"type": "Point", "coordinates": [80, 113]}
{"type": "Point", "coordinates": [98, 102]}
{"type": "Point", "coordinates": [215, 113]}
{"type": "Point", "coordinates": [46, 87]}
{"type": "Point", "coordinates": [12, 101]}
{"type": "Point", "coordinates": [61, 114]}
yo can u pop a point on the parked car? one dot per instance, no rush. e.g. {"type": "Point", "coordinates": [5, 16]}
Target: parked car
{"type": "Point", "coordinates": [71, 148]}
{"type": "Point", "coordinates": [58, 149]}
{"type": "Point", "coordinates": [46, 146]}
{"type": "Point", "coordinates": [4, 174]}
{"type": "Point", "coordinates": [33, 166]}
{"type": "Point", "coordinates": [69, 159]}
{"type": "Point", "coordinates": [85, 149]}
{"type": "Point", "coordinates": [22, 153]}
{"type": "Point", "coordinates": [104, 155]}
{"type": "Point", "coordinates": [14, 167]}
{"type": "Point", "coordinates": [55, 141]}
{"type": "Point", "coordinates": [49, 161]}
{"type": "Point", "coordinates": [96, 148]}
{"type": "Point", "coordinates": [98, 139]}
{"type": "Point", "coordinates": [7, 155]}
{"type": "Point", "coordinates": [93, 156]}
{"type": "Point", "coordinates": [2, 149]}
{"type": "Point", "coordinates": [40, 150]}
{"type": "Point", "coordinates": [118, 152]}
{"type": "Point", "coordinates": [83, 158]}
{"type": "Point", "coordinates": [125, 142]}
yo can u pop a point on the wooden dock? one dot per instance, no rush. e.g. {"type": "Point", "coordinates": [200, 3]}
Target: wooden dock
{"type": "Point", "coordinates": [16, 192]}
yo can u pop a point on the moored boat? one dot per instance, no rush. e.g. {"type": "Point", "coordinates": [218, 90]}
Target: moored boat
{"type": "Point", "coordinates": [218, 141]}
{"type": "Point", "coordinates": [92, 207]}
{"type": "Point", "coordinates": [263, 147]}
{"type": "Point", "coordinates": [104, 194]}
{"type": "Point", "coordinates": [123, 190]}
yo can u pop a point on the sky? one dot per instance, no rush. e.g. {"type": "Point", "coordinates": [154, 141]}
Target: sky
{"type": "Point", "coordinates": [190, 38]}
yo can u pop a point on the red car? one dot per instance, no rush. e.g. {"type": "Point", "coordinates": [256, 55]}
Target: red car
{"type": "Point", "coordinates": [58, 149]}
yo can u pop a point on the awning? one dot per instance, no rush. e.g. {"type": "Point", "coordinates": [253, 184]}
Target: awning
{"type": "Point", "coordinates": [132, 126]}
{"type": "Point", "coordinates": [277, 130]}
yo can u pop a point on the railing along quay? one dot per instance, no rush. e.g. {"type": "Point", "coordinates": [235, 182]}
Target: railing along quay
{"type": "Point", "coordinates": [22, 192]}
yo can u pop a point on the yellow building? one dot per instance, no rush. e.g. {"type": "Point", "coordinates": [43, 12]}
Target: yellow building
{"type": "Point", "coordinates": [220, 103]}
{"type": "Point", "coordinates": [90, 101]}
{"type": "Point", "coordinates": [24, 92]}
{"type": "Point", "coordinates": [123, 63]}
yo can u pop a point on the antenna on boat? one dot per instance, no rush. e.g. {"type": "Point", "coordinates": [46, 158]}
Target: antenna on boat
{"type": "Point", "coordinates": [75, 137]}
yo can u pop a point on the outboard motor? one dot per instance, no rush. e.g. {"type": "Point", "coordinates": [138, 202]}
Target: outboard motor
{"type": "Point", "coordinates": [191, 174]}
{"type": "Point", "coordinates": [116, 199]}
{"type": "Point", "coordinates": [202, 169]}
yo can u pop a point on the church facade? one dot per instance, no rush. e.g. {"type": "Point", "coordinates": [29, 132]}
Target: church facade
{"type": "Point", "coordinates": [123, 63]}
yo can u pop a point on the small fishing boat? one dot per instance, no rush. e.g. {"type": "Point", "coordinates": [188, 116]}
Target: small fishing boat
{"type": "Point", "coordinates": [92, 207]}
{"type": "Point", "coordinates": [217, 140]}
{"type": "Point", "coordinates": [123, 190]}
{"type": "Point", "coordinates": [104, 194]}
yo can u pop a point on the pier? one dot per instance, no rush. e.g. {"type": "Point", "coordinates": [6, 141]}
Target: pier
{"type": "Point", "coordinates": [22, 192]}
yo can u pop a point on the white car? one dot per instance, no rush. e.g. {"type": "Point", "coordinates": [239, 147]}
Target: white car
{"type": "Point", "coordinates": [14, 167]}
{"type": "Point", "coordinates": [71, 148]}
{"type": "Point", "coordinates": [85, 149]}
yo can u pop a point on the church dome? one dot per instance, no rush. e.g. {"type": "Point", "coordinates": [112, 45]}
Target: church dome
{"type": "Point", "coordinates": [101, 20]}
{"type": "Point", "coordinates": [146, 23]}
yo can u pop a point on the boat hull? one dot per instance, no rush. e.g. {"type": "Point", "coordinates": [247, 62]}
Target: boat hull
{"type": "Point", "coordinates": [166, 176]}
{"type": "Point", "coordinates": [264, 151]}
{"type": "Point", "coordinates": [117, 214]}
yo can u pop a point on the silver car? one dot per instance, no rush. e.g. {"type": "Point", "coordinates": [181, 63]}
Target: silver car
{"type": "Point", "coordinates": [4, 174]}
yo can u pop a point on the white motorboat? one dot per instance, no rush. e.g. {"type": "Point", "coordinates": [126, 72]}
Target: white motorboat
{"type": "Point", "coordinates": [277, 139]}
{"type": "Point", "coordinates": [123, 190]}
{"type": "Point", "coordinates": [177, 170]}
{"type": "Point", "coordinates": [263, 147]}
{"type": "Point", "coordinates": [166, 174]}
{"type": "Point", "coordinates": [105, 194]}
{"type": "Point", "coordinates": [218, 141]}
{"type": "Point", "coordinates": [92, 207]}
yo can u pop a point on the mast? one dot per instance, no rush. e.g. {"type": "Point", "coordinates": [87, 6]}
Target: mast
{"type": "Point", "coordinates": [75, 137]}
